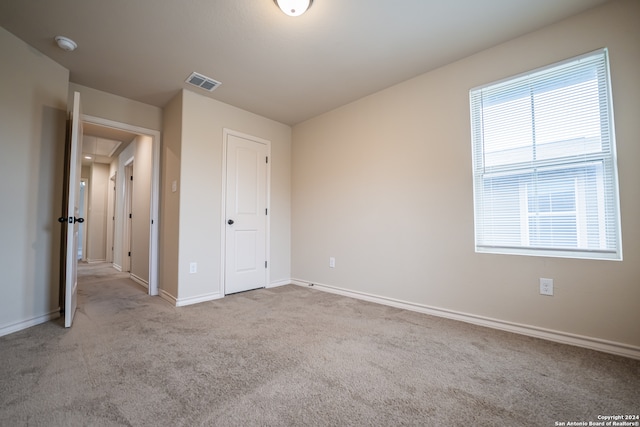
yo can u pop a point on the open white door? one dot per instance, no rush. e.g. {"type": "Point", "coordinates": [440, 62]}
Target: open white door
{"type": "Point", "coordinates": [73, 182]}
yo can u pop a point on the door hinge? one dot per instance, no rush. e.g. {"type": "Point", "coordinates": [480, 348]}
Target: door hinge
{"type": "Point", "coordinates": [129, 253]}
{"type": "Point", "coordinates": [130, 216]}
{"type": "Point", "coordinates": [267, 159]}
{"type": "Point", "coordinates": [151, 222]}
{"type": "Point", "coordinates": [266, 211]}
{"type": "Point", "coordinates": [131, 178]}
{"type": "Point", "coordinates": [265, 264]}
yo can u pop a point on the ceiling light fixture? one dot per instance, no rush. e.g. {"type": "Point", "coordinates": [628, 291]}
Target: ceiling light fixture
{"type": "Point", "coordinates": [66, 43]}
{"type": "Point", "coordinates": [293, 7]}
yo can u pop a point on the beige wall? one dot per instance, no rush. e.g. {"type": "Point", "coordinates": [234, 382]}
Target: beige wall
{"type": "Point", "coordinates": [96, 215]}
{"type": "Point", "coordinates": [139, 151]}
{"type": "Point", "coordinates": [385, 186]}
{"type": "Point", "coordinates": [170, 200]}
{"type": "Point", "coordinates": [113, 107]}
{"type": "Point", "coordinates": [33, 103]}
{"type": "Point", "coordinates": [85, 175]}
{"type": "Point", "coordinates": [197, 167]}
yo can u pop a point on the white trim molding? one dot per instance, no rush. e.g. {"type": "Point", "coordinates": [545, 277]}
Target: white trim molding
{"type": "Point", "coordinates": [279, 283]}
{"type": "Point", "coordinates": [139, 280]}
{"type": "Point", "coordinates": [167, 297]}
{"type": "Point", "coordinates": [598, 344]}
{"type": "Point", "coordinates": [181, 302]}
{"type": "Point", "coordinates": [24, 324]}
{"type": "Point", "coordinates": [156, 138]}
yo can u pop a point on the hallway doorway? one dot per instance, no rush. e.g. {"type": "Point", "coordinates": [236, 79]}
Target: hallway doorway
{"type": "Point", "coordinates": [111, 146]}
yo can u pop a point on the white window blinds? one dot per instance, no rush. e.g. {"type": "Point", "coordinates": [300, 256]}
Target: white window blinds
{"type": "Point", "coordinates": [544, 168]}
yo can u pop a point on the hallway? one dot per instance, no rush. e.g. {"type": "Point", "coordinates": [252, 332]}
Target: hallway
{"type": "Point", "coordinates": [118, 288]}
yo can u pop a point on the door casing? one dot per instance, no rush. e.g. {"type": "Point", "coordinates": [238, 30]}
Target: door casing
{"type": "Point", "coordinates": [155, 189]}
{"type": "Point", "coordinates": [127, 233]}
{"type": "Point", "coordinates": [111, 210]}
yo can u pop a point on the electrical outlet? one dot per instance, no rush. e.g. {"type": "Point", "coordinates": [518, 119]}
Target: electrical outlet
{"type": "Point", "coordinates": [332, 262]}
{"type": "Point", "coordinates": [193, 267]}
{"type": "Point", "coordinates": [546, 286]}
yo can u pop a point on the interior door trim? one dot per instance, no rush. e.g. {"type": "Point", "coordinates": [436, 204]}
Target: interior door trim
{"type": "Point", "coordinates": [155, 190]}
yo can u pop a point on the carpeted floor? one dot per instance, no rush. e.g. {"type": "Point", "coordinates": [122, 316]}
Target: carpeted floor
{"type": "Point", "coordinates": [292, 356]}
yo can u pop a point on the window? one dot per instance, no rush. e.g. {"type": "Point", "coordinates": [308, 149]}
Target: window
{"type": "Point", "coordinates": [544, 165]}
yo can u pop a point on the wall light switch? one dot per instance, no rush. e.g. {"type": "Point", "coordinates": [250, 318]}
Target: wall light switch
{"type": "Point", "coordinates": [546, 286]}
{"type": "Point", "coordinates": [193, 267]}
{"type": "Point", "coordinates": [332, 262]}
{"type": "Point", "coordinates": [174, 186]}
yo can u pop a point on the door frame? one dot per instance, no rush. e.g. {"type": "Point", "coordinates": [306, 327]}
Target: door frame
{"type": "Point", "coordinates": [223, 212]}
{"type": "Point", "coordinates": [85, 215]}
{"type": "Point", "coordinates": [111, 209]}
{"type": "Point", "coordinates": [155, 189]}
{"type": "Point", "coordinates": [127, 233]}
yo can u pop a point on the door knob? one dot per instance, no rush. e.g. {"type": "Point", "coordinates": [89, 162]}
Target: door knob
{"type": "Point", "coordinates": [70, 220]}
{"type": "Point", "coordinates": [230, 222]}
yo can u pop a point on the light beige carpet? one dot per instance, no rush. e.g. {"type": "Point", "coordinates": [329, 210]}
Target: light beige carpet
{"type": "Point", "coordinates": [292, 356]}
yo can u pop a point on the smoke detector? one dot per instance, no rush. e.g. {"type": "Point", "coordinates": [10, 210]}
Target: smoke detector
{"type": "Point", "coordinates": [203, 82]}
{"type": "Point", "coordinates": [66, 43]}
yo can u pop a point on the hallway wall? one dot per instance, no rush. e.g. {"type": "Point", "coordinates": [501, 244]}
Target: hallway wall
{"type": "Point", "coordinates": [117, 108]}
{"type": "Point", "coordinates": [96, 215]}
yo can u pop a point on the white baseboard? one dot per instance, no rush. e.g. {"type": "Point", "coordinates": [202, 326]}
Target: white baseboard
{"type": "Point", "coordinates": [598, 344]}
{"type": "Point", "coordinates": [94, 261]}
{"type": "Point", "coordinates": [24, 324]}
{"type": "Point", "coordinates": [117, 267]}
{"type": "Point", "coordinates": [279, 283]}
{"type": "Point", "coordinates": [140, 281]}
{"type": "Point", "coordinates": [167, 297]}
{"type": "Point", "coordinates": [181, 302]}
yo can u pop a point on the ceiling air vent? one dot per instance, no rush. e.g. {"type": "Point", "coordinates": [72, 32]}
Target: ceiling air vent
{"type": "Point", "coordinates": [202, 82]}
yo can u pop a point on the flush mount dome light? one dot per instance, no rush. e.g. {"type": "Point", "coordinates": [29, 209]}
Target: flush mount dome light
{"type": "Point", "coordinates": [66, 43]}
{"type": "Point", "coordinates": [293, 7]}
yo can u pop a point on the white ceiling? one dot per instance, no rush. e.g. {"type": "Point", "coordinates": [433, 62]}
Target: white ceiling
{"type": "Point", "coordinates": [108, 133]}
{"type": "Point", "coordinates": [287, 69]}
{"type": "Point", "coordinates": [103, 143]}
